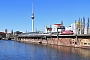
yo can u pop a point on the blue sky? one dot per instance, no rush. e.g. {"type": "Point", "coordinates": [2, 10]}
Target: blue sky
{"type": "Point", "coordinates": [16, 14]}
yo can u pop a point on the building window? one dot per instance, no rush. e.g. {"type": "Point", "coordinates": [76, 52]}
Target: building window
{"type": "Point", "coordinates": [85, 43]}
{"type": "Point", "coordinates": [88, 43]}
{"type": "Point", "coordinates": [75, 42]}
{"type": "Point", "coordinates": [70, 42]}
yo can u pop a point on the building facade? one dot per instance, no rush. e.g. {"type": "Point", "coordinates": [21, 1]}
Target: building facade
{"type": "Point", "coordinates": [3, 35]}
{"type": "Point", "coordinates": [54, 28]}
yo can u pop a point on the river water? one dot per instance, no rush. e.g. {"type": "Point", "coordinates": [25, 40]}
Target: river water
{"type": "Point", "coordinates": [11, 50]}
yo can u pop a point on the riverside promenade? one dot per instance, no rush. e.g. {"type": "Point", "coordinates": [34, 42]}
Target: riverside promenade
{"type": "Point", "coordinates": [82, 41]}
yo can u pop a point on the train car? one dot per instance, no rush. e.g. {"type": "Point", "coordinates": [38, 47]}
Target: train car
{"type": "Point", "coordinates": [67, 32]}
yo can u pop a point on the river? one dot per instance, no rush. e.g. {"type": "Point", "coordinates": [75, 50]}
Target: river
{"type": "Point", "coordinates": [12, 50]}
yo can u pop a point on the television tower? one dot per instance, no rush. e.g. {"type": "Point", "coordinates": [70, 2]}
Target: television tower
{"type": "Point", "coordinates": [32, 18]}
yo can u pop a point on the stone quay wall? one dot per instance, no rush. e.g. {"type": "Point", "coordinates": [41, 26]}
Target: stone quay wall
{"type": "Point", "coordinates": [71, 41]}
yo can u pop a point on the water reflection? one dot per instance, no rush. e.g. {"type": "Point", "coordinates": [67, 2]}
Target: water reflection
{"type": "Point", "coordinates": [85, 53]}
{"type": "Point", "coordinates": [11, 50]}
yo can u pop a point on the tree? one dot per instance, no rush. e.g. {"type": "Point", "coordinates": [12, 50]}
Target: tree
{"type": "Point", "coordinates": [62, 23]}
{"type": "Point", "coordinates": [81, 27]}
{"type": "Point", "coordinates": [83, 24]}
{"type": "Point", "coordinates": [88, 26]}
{"type": "Point", "coordinates": [12, 31]}
{"type": "Point", "coordinates": [6, 30]}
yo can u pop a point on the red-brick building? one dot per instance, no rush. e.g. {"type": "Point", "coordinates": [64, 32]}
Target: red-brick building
{"type": "Point", "coordinates": [2, 35]}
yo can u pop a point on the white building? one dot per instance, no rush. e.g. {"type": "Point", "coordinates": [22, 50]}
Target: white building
{"type": "Point", "coordinates": [85, 31]}
{"type": "Point", "coordinates": [54, 28]}
{"type": "Point", "coordinates": [73, 27]}
{"type": "Point", "coordinates": [68, 28]}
